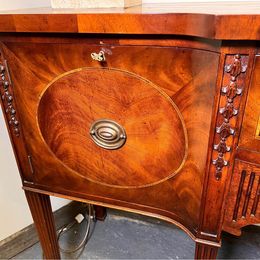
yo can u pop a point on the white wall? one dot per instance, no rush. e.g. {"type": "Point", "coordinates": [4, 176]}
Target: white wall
{"type": "Point", "coordinates": [17, 4]}
{"type": "Point", "coordinates": [14, 210]}
{"type": "Point", "coordinates": [189, 1]}
{"type": "Point", "coordinates": [15, 213]}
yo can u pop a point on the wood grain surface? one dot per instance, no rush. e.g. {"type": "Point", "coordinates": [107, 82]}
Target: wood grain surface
{"type": "Point", "coordinates": [216, 189]}
{"type": "Point", "coordinates": [171, 80]}
{"type": "Point", "coordinates": [203, 251]}
{"type": "Point", "coordinates": [156, 145]}
{"type": "Point", "coordinates": [40, 207]}
{"type": "Point", "coordinates": [242, 206]}
{"type": "Point", "coordinates": [186, 75]}
{"type": "Point", "coordinates": [248, 137]}
{"type": "Point", "coordinates": [236, 21]}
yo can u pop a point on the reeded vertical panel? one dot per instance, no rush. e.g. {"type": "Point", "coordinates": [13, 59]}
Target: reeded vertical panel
{"type": "Point", "coordinates": [243, 202]}
{"type": "Point", "coordinates": [204, 251]}
{"type": "Point", "coordinates": [41, 211]}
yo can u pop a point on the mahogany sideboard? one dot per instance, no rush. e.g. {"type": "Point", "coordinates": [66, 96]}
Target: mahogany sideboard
{"type": "Point", "coordinates": [147, 109]}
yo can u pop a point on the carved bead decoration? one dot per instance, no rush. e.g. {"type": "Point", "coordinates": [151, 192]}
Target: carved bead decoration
{"type": "Point", "coordinates": [236, 67]}
{"type": "Point", "coordinates": [225, 130]}
{"type": "Point", "coordinates": [228, 111]}
{"type": "Point", "coordinates": [7, 97]}
{"type": "Point", "coordinates": [222, 147]}
{"type": "Point", "coordinates": [219, 163]}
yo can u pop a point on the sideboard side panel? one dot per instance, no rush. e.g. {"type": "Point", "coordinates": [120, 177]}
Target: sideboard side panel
{"type": "Point", "coordinates": [242, 204]}
{"type": "Point", "coordinates": [235, 68]}
{"type": "Point", "coordinates": [11, 115]}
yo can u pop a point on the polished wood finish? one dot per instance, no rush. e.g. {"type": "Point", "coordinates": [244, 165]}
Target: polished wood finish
{"type": "Point", "coordinates": [204, 251]}
{"type": "Point", "coordinates": [209, 21]}
{"type": "Point", "coordinates": [41, 211]}
{"type": "Point", "coordinates": [137, 166]}
{"type": "Point", "coordinates": [182, 101]}
{"type": "Point", "coordinates": [8, 106]}
{"type": "Point", "coordinates": [215, 187]}
{"type": "Point", "coordinates": [249, 138]}
{"type": "Point", "coordinates": [141, 108]}
{"type": "Point", "coordinates": [242, 206]}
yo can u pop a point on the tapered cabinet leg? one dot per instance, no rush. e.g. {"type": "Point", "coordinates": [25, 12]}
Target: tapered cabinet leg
{"type": "Point", "coordinates": [41, 211]}
{"type": "Point", "coordinates": [100, 212]}
{"type": "Point", "coordinates": [204, 251]}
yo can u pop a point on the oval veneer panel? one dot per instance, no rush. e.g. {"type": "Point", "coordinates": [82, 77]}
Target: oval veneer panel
{"type": "Point", "coordinates": [156, 144]}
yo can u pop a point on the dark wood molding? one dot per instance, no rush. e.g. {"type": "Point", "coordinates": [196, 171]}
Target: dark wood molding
{"type": "Point", "coordinates": [7, 96]}
{"type": "Point", "coordinates": [234, 66]}
{"type": "Point", "coordinates": [216, 188]}
{"type": "Point", "coordinates": [11, 116]}
{"type": "Point", "coordinates": [203, 251]}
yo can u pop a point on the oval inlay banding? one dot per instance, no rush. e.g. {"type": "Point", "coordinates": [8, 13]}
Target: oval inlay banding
{"type": "Point", "coordinates": [113, 127]}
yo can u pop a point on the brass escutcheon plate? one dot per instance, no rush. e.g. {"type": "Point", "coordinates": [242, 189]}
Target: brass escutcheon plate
{"type": "Point", "coordinates": [108, 134]}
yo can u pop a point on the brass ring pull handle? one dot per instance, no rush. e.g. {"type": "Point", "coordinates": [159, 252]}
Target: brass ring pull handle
{"type": "Point", "coordinates": [108, 134]}
{"type": "Point", "coordinates": [98, 56]}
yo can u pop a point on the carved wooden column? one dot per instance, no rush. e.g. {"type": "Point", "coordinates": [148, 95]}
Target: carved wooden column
{"type": "Point", "coordinates": [41, 211]}
{"type": "Point", "coordinates": [204, 251]}
{"type": "Point", "coordinates": [235, 69]}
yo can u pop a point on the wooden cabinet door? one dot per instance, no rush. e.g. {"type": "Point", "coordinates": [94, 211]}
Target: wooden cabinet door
{"type": "Point", "coordinates": [153, 103]}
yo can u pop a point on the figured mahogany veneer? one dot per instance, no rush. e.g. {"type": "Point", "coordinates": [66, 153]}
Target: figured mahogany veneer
{"type": "Point", "coordinates": [209, 20]}
{"type": "Point", "coordinates": [150, 103]}
{"type": "Point", "coordinates": [69, 106]}
{"type": "Point", "coordinates": [179, 103]}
